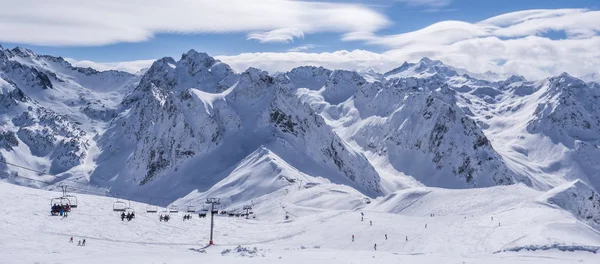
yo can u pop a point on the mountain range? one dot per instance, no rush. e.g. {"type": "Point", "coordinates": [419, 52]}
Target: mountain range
{"type": "Point", "coordinates": [194, 127]}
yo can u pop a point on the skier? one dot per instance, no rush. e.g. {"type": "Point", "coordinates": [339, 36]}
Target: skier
{"type": "Point", "coordinates": [79, 243]}
{"type": "Point", "coordinates": [71, 240]}
{"type": "Point", "coordinates": [160, 218]}
{"type": "Point", "coordinates": [498, 223]}
{"type": "Point", "coordinates": [425, 225]}
{"type": "Point", "coordinates": [352, 238]}
{"type": "Point", "coordinates": [362, 218]}
{"type": "Point", "coordinates": [371, 222]}
{"type": "Point", "coordinates": [406, 238]}
{"type": "Point", "coordinates": [492, 218]}
{"type": "Point", "coordinates": [375, 246]}
{"type": "Point", "coordinates": [123, 216]}
{"type": "Point", "coordinates": [83, 244]}
{"type": "Point", "coordinates": [385, 236]}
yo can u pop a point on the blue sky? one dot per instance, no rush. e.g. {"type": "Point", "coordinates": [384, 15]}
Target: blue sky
{"type": "Point", "coordinates": [404, 17]}
{"type": "Point", "coordinates": [534, 38]}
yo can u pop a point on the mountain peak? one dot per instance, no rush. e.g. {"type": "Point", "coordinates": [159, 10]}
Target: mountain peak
{"type": "Point", "coordinates": [515, 78]}
{"type": "Point", "coordinates": [23, 52]}
{"type": "Point", "coordinates": [426, 60]}
{"type": "Point", "coordinates": [197, 56]}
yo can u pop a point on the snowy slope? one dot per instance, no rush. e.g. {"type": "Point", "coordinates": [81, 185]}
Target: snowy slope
{"type": "Point", "coordinates": [319, 230]}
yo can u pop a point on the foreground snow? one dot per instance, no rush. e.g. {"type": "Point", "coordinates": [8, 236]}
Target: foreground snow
{"type": "Point", "coordinates": [462, 230]}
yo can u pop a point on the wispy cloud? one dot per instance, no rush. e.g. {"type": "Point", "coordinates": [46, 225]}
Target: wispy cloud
{"type": "Point", "coordinates": [303, 47]}
{"type": "Point", "coordinates": [512, 43]}
{"type": "Point", "coordinates": [278, 35]}
{"type": "Point", "coordinates": [74, 22]}
{"type": "Point", "coordinates": [126, 66]}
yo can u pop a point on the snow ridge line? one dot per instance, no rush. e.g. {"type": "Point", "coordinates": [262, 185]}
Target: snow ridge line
{"type": "Point", "coordinates": [561, 247]}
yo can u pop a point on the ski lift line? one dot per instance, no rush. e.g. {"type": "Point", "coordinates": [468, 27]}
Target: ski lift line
{"type": "Point", "coordinates": [113, 194]}
{"type": "Point", "coordinates": [23, 167]}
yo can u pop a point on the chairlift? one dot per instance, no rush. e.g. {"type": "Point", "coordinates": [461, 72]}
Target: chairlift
{"type": "Point", "coordinates": [191, 209]}
{"type": "Point", "coordinates": [173, 209]}
{"type": "Point", "coordinates": [151, 208]}
{"type": "Point", "coordinates": [72, 200]}
{"type": "Point", "coordinates": [129, 210]}
{"type": "Point", "coordinates": [60, 201]}
{"type": "Point", "coordinates": [119, 206]}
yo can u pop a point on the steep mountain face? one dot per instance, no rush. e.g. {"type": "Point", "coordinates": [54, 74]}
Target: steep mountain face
{"type": "Point", "coordinates": [171, 124]}
{"type": "Point", "coordinates": [546, 130]}
{"type": "Point", "coordinates": [424, 68]}
{"type": "Point", "coordinates": [45, 110]}
{"type": "Point", "coordinates": [414, 127]}
{"type": "Point", "coordinates": [577, 198]}
{"type": "Point", "coordinates": [427, 129]}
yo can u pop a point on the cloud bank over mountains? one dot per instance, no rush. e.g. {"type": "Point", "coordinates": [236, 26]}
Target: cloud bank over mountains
{"type": "Point", "coordinates": [534, 43]}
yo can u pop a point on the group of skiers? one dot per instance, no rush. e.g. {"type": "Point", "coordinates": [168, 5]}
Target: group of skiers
{"type": "Point", "coordinates": [164, 218]}
{"type": "Point", "coordinates": [79, 243]}
{"type": "Point", "coordinates": [129, 216]}
{"type": "Point", "coordinates": [362, 218]}
{"type": "Point", "coordinates": [60, 209]}
{"type": "Point", "coordinates": [187, 217]}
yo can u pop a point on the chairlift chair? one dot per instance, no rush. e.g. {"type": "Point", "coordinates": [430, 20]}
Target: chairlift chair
{"type": "Point", "coordinates": [72, 200]}
{"type": "Point", "coordinates": [119, 206]}
{"type": "Point", "coordinates": [173, 209]}
{"type": "Point", "coordinates": [60, 201]}
{"type": "Point", "coordinates": [129, 210]}
{"type": "Point", "coordinates": [151, 208]}
{"type": "Point", "coordinates": [191, 209]}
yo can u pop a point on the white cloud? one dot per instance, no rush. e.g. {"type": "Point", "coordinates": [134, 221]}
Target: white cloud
{"type": "Point", "coordinates": [303, 47]}
{"type": "Point", "coordinates": [285, 61]}
{"type": "Point", "coordinates": [74, 22]}
{"type": "Point", "coordinates": [126, 66]}
{"type": "Point", "coordinates": [284, 35]}
{"type": "Point", "coordinates": [518, 40]}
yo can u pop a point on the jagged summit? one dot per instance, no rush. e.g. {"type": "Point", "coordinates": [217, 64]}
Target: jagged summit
{"type": "Point", "coordinates": [424, 68]}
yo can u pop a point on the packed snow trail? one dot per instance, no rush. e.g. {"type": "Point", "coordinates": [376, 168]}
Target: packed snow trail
{"type": "Point", "coordinates": [28, 234]}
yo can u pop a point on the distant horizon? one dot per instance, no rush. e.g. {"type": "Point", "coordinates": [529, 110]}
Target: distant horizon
{"type": "Point", "coordinates": [135, 67]}
{"type": "Point", "coordinates": [534, 39]}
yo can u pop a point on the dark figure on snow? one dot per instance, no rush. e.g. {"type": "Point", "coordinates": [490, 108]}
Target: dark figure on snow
{"type": "Point", "coordinates": [407, 238]}
{"type": "Point", "coordinates": [122, 216]}
{"type": "Point", "coordinates": [79, 243]}
{"type": "Point", "coordinates": [375, 247]}
{"type": "Point", "coordinates": [83, 243]}
{"type": "Point", "coordinates": [425, 225]}
{"type": "Point", "coordinates": [371, 222]}
{"type": "Point", "coordinates": [385, 236]}
{"type": "Point", "coordinates": [71, 240]}
{"type": "Point", "coordinates": [352, 238]}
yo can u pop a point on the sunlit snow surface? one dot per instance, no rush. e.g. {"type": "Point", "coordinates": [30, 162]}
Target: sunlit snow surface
{"type": "Point", "coordinates": [462, 230]}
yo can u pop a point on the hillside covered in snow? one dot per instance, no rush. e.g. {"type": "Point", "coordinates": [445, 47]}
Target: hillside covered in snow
{"type": "Point", "coordinates": [313, 146]}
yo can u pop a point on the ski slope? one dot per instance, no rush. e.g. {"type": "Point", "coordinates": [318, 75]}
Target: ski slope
{"type": "Point", "coordinates": [322, 220]}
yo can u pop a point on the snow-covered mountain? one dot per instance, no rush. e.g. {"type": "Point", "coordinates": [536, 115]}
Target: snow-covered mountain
{"type": "Point", "coordinates": [193, 127]}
